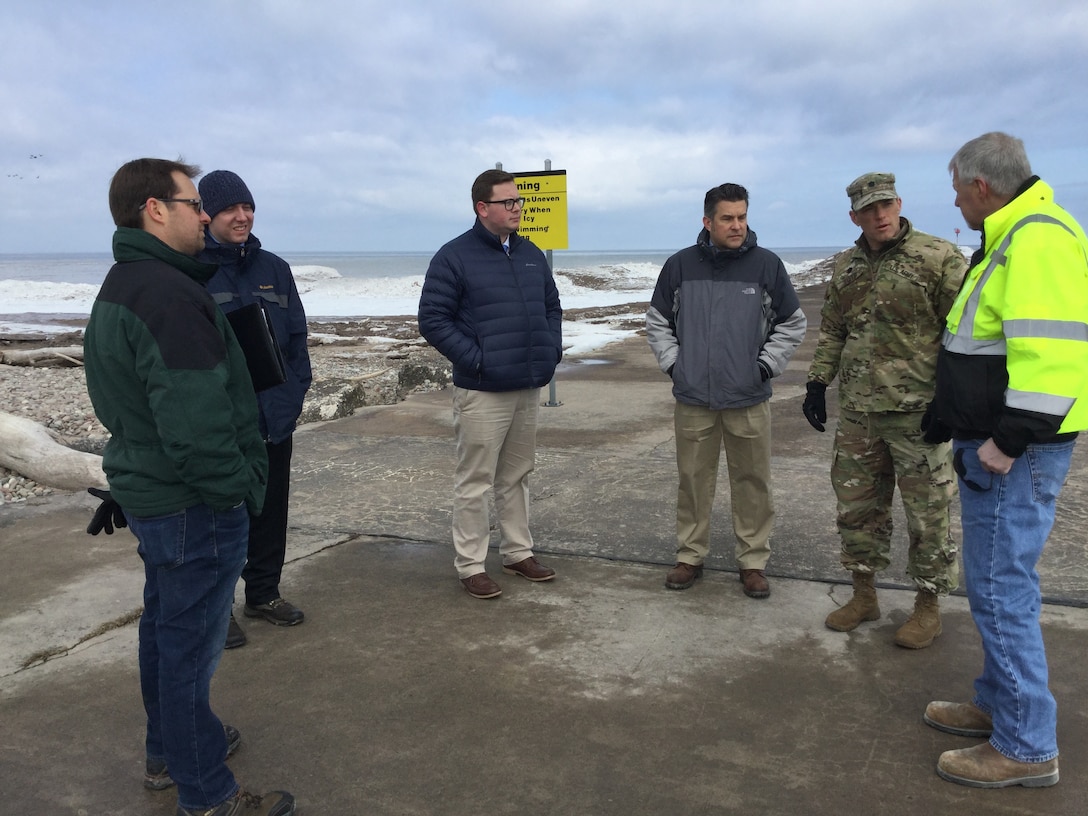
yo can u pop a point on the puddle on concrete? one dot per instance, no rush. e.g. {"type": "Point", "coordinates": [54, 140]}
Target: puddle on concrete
{"type": "Point", "coordinates": [582, 362]}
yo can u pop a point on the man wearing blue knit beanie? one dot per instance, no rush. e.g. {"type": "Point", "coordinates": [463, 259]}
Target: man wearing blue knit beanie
{"type": "Point", "coordinates": [250, 274]}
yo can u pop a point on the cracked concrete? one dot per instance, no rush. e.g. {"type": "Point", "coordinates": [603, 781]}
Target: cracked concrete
{"type": "Point", "coordinates": [599, 693]}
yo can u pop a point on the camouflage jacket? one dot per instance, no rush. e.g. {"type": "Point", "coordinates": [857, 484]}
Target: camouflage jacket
{"type": "Point", "coordinates": [882, 320]}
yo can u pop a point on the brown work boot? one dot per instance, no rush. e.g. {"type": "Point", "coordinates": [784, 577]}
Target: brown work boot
{"type": "Point", "coordinates": [862, 607]}
{"type": "Point", "coordinates": [983, 766]}
{"type": "Point", "coordinates": [683, 575]}
{"type": "Point", "coordinates": [755, 583]}
{"type": "Point", "coordinates": [924, 622]}
{"type": "Point", "coordinates": [961, 719]}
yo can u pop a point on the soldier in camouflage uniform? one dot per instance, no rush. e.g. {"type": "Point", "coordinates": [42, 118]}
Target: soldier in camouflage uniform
{"type": "Point", "coordinates": [881, 325]}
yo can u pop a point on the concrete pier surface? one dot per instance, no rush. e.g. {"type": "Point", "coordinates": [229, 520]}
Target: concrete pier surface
{"type": "Point", "coordinates": [601, 692]}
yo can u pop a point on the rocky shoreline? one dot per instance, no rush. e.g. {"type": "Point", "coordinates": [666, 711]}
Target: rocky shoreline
{"type": "Point", "coordinates": [356, 363]}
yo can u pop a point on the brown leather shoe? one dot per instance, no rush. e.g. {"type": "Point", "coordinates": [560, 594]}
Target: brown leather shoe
{"type": "Point", "coordinates": [481, 586]}
{"type": "Point", "coordinates": [530, 568]}
{"type": "Point", "coordinates": [961, 719]}
{"type": "Point", "coordinates": [683, 575]}
{"type": "Point", "coordinates": [755, 583]}
{"type": "Point", "coordinates": [983, 766]}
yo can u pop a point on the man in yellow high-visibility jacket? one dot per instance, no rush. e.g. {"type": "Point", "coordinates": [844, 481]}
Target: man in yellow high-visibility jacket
{"type": "Point", "coordinates": [1012, 392]}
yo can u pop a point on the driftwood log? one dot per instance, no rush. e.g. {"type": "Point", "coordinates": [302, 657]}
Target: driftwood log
{"type": "Point", "coordinates": [28, 449]}
{"type": "Point", "coordinates": [44, 358]}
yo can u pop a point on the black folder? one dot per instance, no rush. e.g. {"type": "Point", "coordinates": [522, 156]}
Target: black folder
{"type": "Point", "coordinates": [253, 328]}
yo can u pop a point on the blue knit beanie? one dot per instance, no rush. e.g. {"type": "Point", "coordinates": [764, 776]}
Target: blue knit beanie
{"type": "Point", "coordinates": [221, 189]}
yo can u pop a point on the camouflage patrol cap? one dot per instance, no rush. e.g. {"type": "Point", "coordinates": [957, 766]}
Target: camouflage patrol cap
{"type": "Point", "coordinates": [864, 190]}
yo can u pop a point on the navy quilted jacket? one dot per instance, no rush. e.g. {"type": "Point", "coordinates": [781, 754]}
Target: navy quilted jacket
{"type": "Point", "coordinates": [497, 318]}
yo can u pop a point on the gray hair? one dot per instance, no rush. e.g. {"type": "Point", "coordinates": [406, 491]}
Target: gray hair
{"type": "Point", "coordinates": [997, 158]}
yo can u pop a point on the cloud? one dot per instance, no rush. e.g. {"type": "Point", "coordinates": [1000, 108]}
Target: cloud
{"type": "Point", "coordinates": [360, 125]}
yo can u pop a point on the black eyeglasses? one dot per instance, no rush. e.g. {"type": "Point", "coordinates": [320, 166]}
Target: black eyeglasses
{"type": "Point", "coordinates": [509, 203]}
{"type": "Point", "coordinates": [195, 203]}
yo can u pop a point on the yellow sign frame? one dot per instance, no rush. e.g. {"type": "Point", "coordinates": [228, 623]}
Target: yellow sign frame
{"type": "Point", "coordinates": [544, 217]}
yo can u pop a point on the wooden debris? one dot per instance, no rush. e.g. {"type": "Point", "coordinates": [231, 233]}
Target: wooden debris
{"type": "Point", "coordinates": [44, 357]}
{"type": "Point", "coordinates": [30, 450]}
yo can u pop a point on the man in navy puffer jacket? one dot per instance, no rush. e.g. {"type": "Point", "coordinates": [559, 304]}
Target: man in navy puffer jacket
{"type": "Point", "coordinates": [490, 306]}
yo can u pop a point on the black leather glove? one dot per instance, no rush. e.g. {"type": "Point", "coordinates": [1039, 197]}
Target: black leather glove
{"type": "Point", "coordinates": [815, 405]}
{"type": "Point", "coordinates": [764, 371]}
{"type": "Point", "coordinates": [933, 430]}
{"type": "Point", "coordinates": [108, 515]}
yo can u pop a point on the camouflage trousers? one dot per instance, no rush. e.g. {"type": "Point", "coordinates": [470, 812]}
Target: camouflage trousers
{"type": "Point", "coordinates": [874, 451]}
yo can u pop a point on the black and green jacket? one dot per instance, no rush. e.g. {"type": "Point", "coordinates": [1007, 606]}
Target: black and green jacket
{"type": "Point", "coordinates": [169, 381]}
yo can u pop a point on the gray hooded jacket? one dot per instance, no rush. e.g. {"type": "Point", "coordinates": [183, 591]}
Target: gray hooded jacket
{"type": "Point", "coordinates": [723, 322]}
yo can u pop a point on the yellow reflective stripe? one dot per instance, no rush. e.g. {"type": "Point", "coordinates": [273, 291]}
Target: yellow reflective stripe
{"type": "Point", "coordinates": [1036, 329]}
{"type": "Point", "coordinates": [1050, 404]}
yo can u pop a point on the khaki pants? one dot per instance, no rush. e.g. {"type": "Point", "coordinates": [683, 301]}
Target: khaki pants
{"type": "Point", "coordinates": [496, 448]}
{"type": "Point", "coordinates": [746, 434]}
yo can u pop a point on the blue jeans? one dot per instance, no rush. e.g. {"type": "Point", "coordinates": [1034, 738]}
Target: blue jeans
{"type": "Point", "coordinates": [1006, 521]}
{"type": "Point", "coordinates": [192, 560]}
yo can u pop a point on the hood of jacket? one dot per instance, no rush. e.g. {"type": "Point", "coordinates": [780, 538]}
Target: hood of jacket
{"type": "Point", "coordinates": [718, 253]}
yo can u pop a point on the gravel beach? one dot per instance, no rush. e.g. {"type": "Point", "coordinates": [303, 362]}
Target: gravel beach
{"type": "Point", "coordinates": [356, 363]}
{"type": "Point", "coordinates": [368, 361]}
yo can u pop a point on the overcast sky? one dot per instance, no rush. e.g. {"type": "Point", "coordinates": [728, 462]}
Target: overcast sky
{"type": "Point", "coordinates": [360, 125]}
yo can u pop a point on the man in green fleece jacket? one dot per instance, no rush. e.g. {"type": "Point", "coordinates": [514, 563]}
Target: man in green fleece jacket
{"type": "Point", "coordinates": [185, 462]}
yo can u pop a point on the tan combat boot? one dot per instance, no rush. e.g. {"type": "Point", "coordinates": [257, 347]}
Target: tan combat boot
{"type": "Point", "coordinates": [924, 623]}
{"type": "Point", "coordinates": [862, 607]}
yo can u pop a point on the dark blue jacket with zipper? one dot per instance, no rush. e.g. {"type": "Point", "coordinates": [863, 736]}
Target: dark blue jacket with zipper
{"type": "Point", "coordinates": [496, 317]}
{"type": "Point", "coordinates": [248, 274]}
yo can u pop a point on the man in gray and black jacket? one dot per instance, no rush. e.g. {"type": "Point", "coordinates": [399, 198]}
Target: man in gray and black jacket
{"type": "Point", "coordinates": [724, 321]}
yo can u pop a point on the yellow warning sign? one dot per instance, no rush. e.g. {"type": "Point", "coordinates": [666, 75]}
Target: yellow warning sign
{"type": "Point", "coordinates": [544, 217]}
